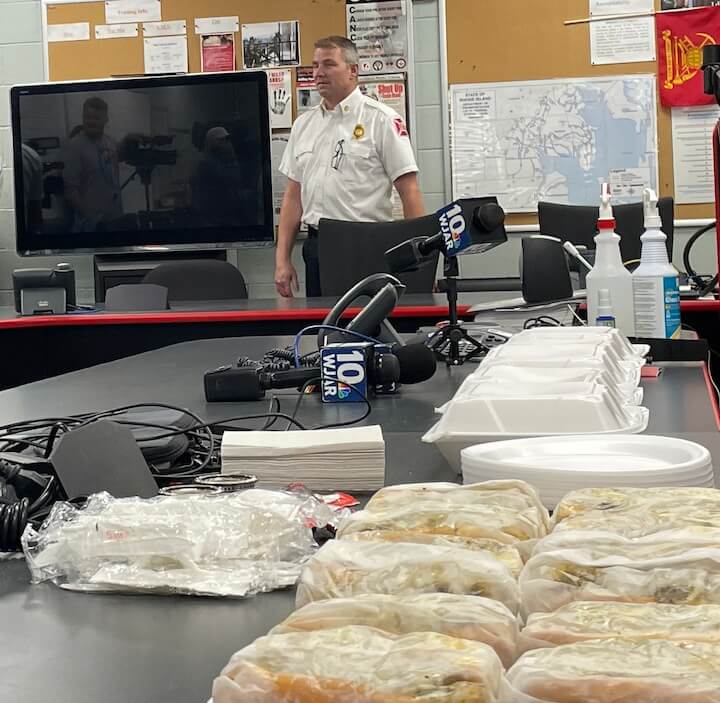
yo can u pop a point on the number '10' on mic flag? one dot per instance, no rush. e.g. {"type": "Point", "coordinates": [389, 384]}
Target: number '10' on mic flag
{"type": "Point", "coordinates": [681, 37]}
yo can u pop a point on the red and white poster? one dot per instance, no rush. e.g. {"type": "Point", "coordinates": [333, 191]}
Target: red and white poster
{"type": "Point", "coordinates": [307, 95]}
{"type": "Point", "coordinates": [217, 52]}
{"type": "Point", "coordinates": [280, 98]}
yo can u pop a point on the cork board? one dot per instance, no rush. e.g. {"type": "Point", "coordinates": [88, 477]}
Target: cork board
{"type": "Point", "coordinates": [102, 58]}
{"type": "Point", "coordinates": [524, 40]}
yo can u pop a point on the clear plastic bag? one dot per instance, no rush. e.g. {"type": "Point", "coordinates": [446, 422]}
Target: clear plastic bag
{"type": "Point", "coordinates": [484, 521]}
{"type": "Point", "coordinates": [361, 665]}
{"type": "Point", "coordinates": [344, 568]}
{"type": "Point", "coordinates": [465, 617]}
{"type": "Point", "coordinates": [516, 495]}
{"type": "Point", "coordinates": [506, 553]}
{"type": "Point", "coordinates": [635, 512]}
{"type": "Point", "coordinates": [582, 621]}
{"type": "Point", "coordinates": [619, 569]}
{"type": "Point", "coordinates": [619, 671]}
{"type": "Point", "coordinates": [233, 544]}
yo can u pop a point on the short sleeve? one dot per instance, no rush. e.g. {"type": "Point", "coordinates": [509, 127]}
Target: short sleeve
{"type": "Point", "coordinates": [396, 152]}
{"type": "Point", "coordinates": [289, 163]}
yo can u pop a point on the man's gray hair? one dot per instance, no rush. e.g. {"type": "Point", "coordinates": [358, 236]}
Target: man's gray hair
{"type": "Point", "coordinates": [348, 48]}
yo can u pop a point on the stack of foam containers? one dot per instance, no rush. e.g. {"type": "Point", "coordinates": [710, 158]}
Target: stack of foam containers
{"type": "Point", "coordinates": [542, 382]}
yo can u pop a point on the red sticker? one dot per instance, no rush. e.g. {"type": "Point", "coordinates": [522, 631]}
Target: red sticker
{"type": "Point", "coordinates": [400, 127]}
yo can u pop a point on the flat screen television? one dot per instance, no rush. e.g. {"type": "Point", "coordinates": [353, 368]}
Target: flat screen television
{"type": "Point", "coordinates": [130, 164]}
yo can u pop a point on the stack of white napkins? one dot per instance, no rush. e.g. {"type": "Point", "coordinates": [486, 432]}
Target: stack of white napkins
{"type": "Point", "coordinates": [351, 459]}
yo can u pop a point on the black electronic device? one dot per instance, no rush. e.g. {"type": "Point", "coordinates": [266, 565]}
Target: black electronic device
{"type": "Point", "coordinates": [132, 164]}
{"type": "Point", "coordinates": [544, 270]}
{"type": "Point", "coordinates": [44, 290]}
{"type": "Point", "coordinates": [384, 292]}
{"type": "Point", "coordinates": [407, 364]}
{"type": "Point", "coordinates": [102, 456]}
{"type": "Point", "coordinates": [711, 85]}
{"type": "Point", "coordinates": [467, 226]}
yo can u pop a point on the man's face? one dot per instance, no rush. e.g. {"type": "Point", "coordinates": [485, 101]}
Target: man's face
{"type": "Point", "coordinates": [94, 122]}
{"type": "Point", "coordinates": [334, 78]}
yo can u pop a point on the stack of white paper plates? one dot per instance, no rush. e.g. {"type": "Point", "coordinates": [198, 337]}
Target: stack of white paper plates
{"type": "Point", "coordinates": [557, 465]}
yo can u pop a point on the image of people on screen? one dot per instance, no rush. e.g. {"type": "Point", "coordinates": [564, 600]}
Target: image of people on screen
{"type": "Point", "coordinates": [219, 186]}
{"type": "Point", "coordinates": [144, 160]}
{"type": "Point", "coordinates": [91, 172]}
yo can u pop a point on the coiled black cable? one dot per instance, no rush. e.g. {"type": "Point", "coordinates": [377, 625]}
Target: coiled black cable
{"type": "Point", "coordinates": [688, 248]}
{"type": "Point", "coordinates": [13, 520]}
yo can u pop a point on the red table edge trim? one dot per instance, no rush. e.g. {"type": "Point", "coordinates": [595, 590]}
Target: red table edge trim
{"type": "Point", "coordinates": [712, 394]}
{"type": "Point", "coordinates": [190, 316]}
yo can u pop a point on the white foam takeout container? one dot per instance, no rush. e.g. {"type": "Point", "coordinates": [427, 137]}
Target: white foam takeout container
{"type": "Point", "coordinates": [533, 411]}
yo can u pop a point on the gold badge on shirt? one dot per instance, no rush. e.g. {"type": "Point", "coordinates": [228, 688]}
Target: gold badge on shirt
{"type": "Point", "coordinates": [358, 132]}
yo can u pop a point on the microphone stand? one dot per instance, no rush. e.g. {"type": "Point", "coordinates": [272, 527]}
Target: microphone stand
{"type": "Point", "coordinates": [447, 342]}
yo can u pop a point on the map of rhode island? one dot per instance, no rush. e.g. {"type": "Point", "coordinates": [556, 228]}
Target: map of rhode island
{"type": "Point", "coordinates": [555, 140]}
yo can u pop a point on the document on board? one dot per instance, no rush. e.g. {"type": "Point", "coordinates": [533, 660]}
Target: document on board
{"type": "Point", "coordinates": [164, 29]}
{"type": "Point", "coordinates": [75, 31]}
{"type": "Point", "coordinates": [626, 40]}
{"type": "Point", "coordinates": [166, 55]}
{"type": "Point", "coordinates": [379, 30]}
{"type": "Point", "coordinates": [278, 144]}
{"type": "Point", "coordinates": [123, 11]}
{"type": "Point", "coordinates": [693, 167]}
{"type": "Point", "coordinates": [115, 31]}
{"type": "Point", "coordinates": [280, 98]}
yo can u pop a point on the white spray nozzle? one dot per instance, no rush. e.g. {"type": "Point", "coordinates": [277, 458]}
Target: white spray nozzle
{"type": "Point", "coordinates": [571, 249]}
{"type": "Point", "coordinates": [606, 213]}
{"type": "Point", "coordinates": [650, 209]}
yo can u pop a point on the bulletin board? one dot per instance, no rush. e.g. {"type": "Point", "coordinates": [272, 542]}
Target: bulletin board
{"type": "Point", "coordinates": [525, 40]}
{"type": "Point", "coordinates": [102, 58]}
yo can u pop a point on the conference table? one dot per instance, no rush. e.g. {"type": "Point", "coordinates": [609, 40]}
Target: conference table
{"type": "Point", "coordinates": [43, 346]}
{"type": "Point", "coordinates": [70, 647]}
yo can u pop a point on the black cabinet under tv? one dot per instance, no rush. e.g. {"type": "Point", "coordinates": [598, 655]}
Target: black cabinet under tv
{"type": "Point", "coordinates": [118, 269]}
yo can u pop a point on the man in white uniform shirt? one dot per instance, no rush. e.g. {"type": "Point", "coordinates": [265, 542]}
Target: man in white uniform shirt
{"type": "Point", "coordinates": [342, 160]}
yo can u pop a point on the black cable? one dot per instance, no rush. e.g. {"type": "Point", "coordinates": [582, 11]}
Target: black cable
{"type": "Point", "coordinates": [302, 391]}
{"type": "Point", "coordinates": [688, 247]}
{"type": "Point", "coordinates": [541, 321]}
{"type": "Point", "coordinates": [347, 423]}
{"type": "Point", "coordinates": [13, 519]}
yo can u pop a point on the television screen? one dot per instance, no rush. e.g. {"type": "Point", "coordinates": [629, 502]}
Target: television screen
{"type": "Point", "coordinates": [121, 164]}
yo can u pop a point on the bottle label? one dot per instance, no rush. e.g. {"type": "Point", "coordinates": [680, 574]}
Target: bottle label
{"type": "Point", "coordinates": [657, 307]}
{"type": "Point", "coordinates": [672, 307]}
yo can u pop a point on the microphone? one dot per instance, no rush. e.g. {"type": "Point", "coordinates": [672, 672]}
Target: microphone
{"type": "Point", "coordinates": [467, 226]}
{"type": "Point", "coordinates": [409, 364]}
{"type": "Point", "coordinates": [417, 362]}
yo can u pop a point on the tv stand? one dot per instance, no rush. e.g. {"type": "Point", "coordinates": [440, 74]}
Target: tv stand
{"type": "Point", "coordinates": [117, 269]}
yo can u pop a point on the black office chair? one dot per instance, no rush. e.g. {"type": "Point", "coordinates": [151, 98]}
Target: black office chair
{"type": "Point", "coordinates": [630, 225]}
{"type": "Point", "coordinates": [136, 297]}
{"type": "Point", "coordinates": [571, 223]}
{"type": "Point", "coordinates": [578, 224]}
{"type": "Point", "coordinates": [350, 251]}
{"type": "Point", "coordinates": [199, 279]}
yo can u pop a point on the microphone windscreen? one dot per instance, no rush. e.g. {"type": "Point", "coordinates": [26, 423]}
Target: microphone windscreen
{"type": "Point", "coordinates": [417, 363]}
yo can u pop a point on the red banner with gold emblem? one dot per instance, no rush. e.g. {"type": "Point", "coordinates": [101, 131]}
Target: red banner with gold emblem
{"type": "Point", "coordinates": [681, 37]}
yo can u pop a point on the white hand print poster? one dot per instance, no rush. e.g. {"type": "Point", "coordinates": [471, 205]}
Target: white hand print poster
{"type": "Point", "coordinates": [280, 98]}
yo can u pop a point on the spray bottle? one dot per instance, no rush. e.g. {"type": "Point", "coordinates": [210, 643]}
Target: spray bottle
{"type": "Point", "coordinates": [656, 293]}
{"type": "Point", "coordinates": [609, 274]}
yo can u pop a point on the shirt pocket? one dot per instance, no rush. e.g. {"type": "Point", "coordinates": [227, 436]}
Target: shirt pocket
{"type": "Point", "coordinates": [359, 160]}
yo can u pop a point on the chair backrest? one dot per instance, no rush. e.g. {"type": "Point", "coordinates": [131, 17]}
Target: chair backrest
{"type": "Point", "coordinates": [199, 279]}
{"type": "Point", "coordinates": [630, 225]}
{"type": "Point", "coordinates": [571, 223]}
{"type": "Point", "coordinates": [350, 251]}
{"type": "Point", "coordinates": [136, 296]}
